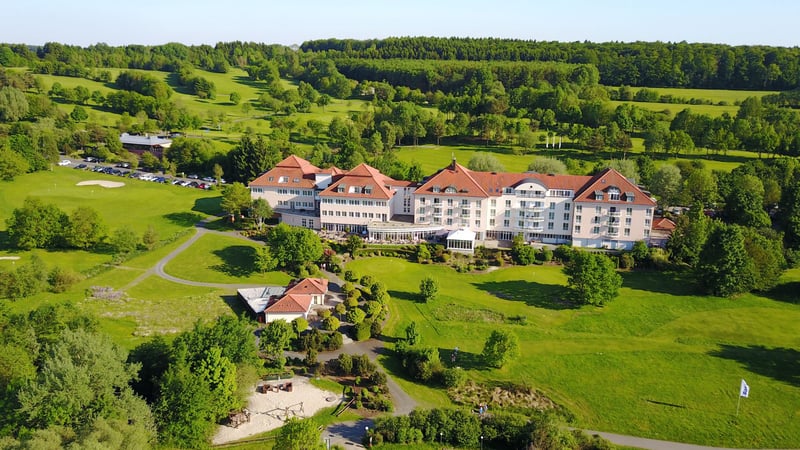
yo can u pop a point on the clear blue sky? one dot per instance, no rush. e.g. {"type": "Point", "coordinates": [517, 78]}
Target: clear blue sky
{"type": "Point", "coordinates": [119, 22]}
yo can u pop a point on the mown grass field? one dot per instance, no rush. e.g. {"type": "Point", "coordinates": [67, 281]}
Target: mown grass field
{"type": "Point", "coordinates": [218, 258]}
{"type": "Point", "coordinates": [657, 362]}
{"type": "Point", "coordinates": [169, 209]}
{"type": "Point", "coordinates": [434, 157]}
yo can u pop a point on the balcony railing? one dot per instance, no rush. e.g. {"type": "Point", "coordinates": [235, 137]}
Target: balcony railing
{"type": "Point", "coordinates": [613, 213]}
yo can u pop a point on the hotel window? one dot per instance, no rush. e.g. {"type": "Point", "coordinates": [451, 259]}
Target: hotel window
{"type": "Point", "coordinates": [492, 212]}
{"type": "Point", "coordinates": [565, 227]}
{"type": "Point", "coordinates": [450, 211]}
{"type": "Point", "coordinates": [627, 231]}
{"type": "Point", "coordinates": [628, 211]}
{"type": "Point", "coordinates": [506, 223]}
{"type": "Point", "coordinates": [449, 202]}
{"type": "Point", "coordinates": [649, 212]}
{"type": "Point", "coordinates": [577, 228]}
{"type": "Point", "coordinates": [647, 223]}
{"type": "Point", "coordinates": [421, 210]}
{"type": "Point", "coordinates": [566, 206]}
{"type": "Point", "coordinates": [507, 214]}
{"type": "Point", "coordinates": [449, 221]}
{"type": "Point", "coordinates": [598, 210]}
{"type": "Point", "coordinates": [627, 221]}
{"type": "Point", "coordinates": [491, 222]}
{"type": "Point", "coordinates": [579, 209]}
{"type": "Point", "coordinates": [595, 230]}
{"type": "Point", "coordinates": [646, 233]}
{"type": "Point", "coordinates": [508, 203]}
{"type": "Point", "coordinates": [613, 193]}
{"type": "Point", "coordinates": [549, 225]}
{"type": "Point", "coordinates": [552, 205]}
{"type": "Point", "coordinates": [521, 224]}
{"type": "Point", "coordinates": [566, 216]}
{"type": "Point", "coordinates": [551, 215]}
{"type": "Point", "coordinates": [478, 223]}
{"type": "Point", "coordinates": [578, 218]}
{"type": "Point", "coordinates": [493, 203]}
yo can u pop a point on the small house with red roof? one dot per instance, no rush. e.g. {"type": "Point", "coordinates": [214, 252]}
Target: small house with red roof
{"type": "Point", "coordinates": [277, 303]}
{"type": "Point", "coordinates": [661, 231]}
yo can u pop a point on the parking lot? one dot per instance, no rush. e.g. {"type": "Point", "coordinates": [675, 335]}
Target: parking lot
{"type": "Point", "coordinates": [123, 170]}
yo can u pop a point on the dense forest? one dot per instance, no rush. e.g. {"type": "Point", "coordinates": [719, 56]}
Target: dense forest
{"type": "Point", "coordinates": [654, 64]}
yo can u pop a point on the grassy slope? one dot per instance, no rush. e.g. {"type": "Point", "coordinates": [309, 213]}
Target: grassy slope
{"type": "Point", "coordinates": [657, 362]}
{"type": "Point", "coordinates": [222, 259]}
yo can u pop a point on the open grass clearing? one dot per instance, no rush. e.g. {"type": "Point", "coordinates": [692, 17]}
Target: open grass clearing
{"type": "Point", "coordinates": [169, 209]}
{"type": "Point", "coordinates": [657, 362]}
{"type": "Point", "coordinates": [216, 258]}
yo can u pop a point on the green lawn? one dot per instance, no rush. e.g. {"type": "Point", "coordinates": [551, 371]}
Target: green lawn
{"type": "Point", "coordinates": [657, 362]}
{"type": "Point", "coordinates": [674, 108]}
{"type": "Point", "coordinates": [216, 258]}
{"type": "Point", "coordinates": [434, 157]}
{"type": "Point", "coordinates": [170, 209]}
{"type": "Point", "coordinates": [715, 95]}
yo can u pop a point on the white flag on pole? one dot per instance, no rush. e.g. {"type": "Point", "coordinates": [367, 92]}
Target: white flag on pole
{"type": "Point", "coordinates": [744, 389]}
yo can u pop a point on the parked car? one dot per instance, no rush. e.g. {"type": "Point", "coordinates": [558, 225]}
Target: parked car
{"type": "Point", "coordinates": [64, 162]}
{"type": "Point", "coordinates": [80, 166]}
{"type": "Point", "coordinates": [193, 176]}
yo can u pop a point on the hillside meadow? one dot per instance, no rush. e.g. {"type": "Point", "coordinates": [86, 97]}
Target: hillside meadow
{"type": "Point", "coordinates": [657, 362]}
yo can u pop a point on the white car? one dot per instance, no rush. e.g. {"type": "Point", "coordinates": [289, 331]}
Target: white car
{"type": "Point", "coordinates": [64, 162]}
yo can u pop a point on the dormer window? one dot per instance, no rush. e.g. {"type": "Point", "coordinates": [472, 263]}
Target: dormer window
{"type": "Point", "coordinates": [613, 193]}
{"type": "Point", "coordinates": [598, 195]}
{"type": "Point", "coordinates": [340, 188]}
{"type": "Point", "coordinates": [271, 178]}
{"type": "Point", "coordinates": [283, 180]}
{"type": "Point", "coordinates": [450, 190]}
{"type": "Point", "coordinates": [437, 189]}
{"type": "Point", "coordinates": [630, 197]}
{"type": "Point", "coordinates": [296, 180]}
{"type": "Point", "coordinates": [368, 190]}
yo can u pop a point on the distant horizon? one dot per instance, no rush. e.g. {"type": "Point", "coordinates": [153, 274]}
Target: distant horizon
{"type": "Point", "coordinates": [298, 44]}
{"type": "Point", "coordinates": [206, 22]}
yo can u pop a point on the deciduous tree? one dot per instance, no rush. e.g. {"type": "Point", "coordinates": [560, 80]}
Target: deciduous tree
{"type": "Point", "coordinates": [428, 289]}
{"type": "Point", "coordinates": [592, 278]}
{"type": "Point", "coordinates": [500, 347]}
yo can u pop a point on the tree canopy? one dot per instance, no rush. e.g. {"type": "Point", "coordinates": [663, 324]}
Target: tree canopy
{"type": "Point", "coordinates": [592, 278]}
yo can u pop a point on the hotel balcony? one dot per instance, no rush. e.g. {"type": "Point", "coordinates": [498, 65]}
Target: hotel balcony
{"type": "Point", "coordinates": [613, 213]}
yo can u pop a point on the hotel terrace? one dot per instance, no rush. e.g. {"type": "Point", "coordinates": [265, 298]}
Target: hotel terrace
{"type": "Point", "coordinates": [470, 208]}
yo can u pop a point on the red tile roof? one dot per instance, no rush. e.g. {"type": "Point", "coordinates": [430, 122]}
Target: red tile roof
{"type": "Point", "coordinates": [297, 172]}
{"type": "Point", "coordinates": [308, 286]}
{"type": "Point", "coordinates": [356, 182]}
{"type": "Point", "coordinates": [662, 223]}
{"type": "Point", "coordinates": [297, 297]}
{"type": "Point", "coordinates": [290, 304]}
{"type": "Point", "coordinates": [456, 176]}
{"type": "Point", "coordinates": [611, 178]}
{"type": "Point", "coordinates": [468, 183]}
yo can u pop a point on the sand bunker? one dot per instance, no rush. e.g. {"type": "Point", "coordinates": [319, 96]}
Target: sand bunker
{"type": "Point", "coordinates": [103, 183]}
{"type": "Point", "coordinates": [10, 258]}
{"type": "Point", "coordinates": [268, 411]}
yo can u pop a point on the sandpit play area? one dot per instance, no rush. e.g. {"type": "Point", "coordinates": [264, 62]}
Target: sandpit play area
{"type": "Point", "coordinates": [101, 183]}
{"type": "Point", "coordinates": [273, 402]}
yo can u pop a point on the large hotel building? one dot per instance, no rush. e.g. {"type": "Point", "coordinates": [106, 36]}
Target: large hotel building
{"type": "Point", "coordinates": [465, 207]}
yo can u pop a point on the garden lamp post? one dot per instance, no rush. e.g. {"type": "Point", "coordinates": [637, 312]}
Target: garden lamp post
{"type": "Point", "coordinates": [481, 442]}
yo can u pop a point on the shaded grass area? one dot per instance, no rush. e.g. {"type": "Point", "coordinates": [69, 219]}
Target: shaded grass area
{"type": "Point", "coordinates": [216, 258]}
{"type": "Point", "coordinates": [657, 362]}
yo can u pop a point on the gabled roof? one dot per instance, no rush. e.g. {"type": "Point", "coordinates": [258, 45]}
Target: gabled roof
{"type": "Point", "coordinates": [453, 176]}
{"type": "Point", "coordinates": [309, 286]}
{"type": "Point", "coordinates": [295, 172]}
{"type": "Point", "coordinates": [290, 304]}
{"type": "Point", "coordinates": [606, 179]}
{"type": "Point", "coordinates": [663, 224]}
{"type": "Point", "coordinates": [363, 181]}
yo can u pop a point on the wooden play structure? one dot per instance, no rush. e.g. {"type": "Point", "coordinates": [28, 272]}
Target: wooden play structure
{"type": "Point", "coordinates": [291, 409]}
{"type": "Point", "coordinates": [236, 418]}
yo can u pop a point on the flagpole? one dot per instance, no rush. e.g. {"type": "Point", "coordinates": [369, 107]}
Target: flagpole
{"type": "Point", "coordinates": [737, 405]}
